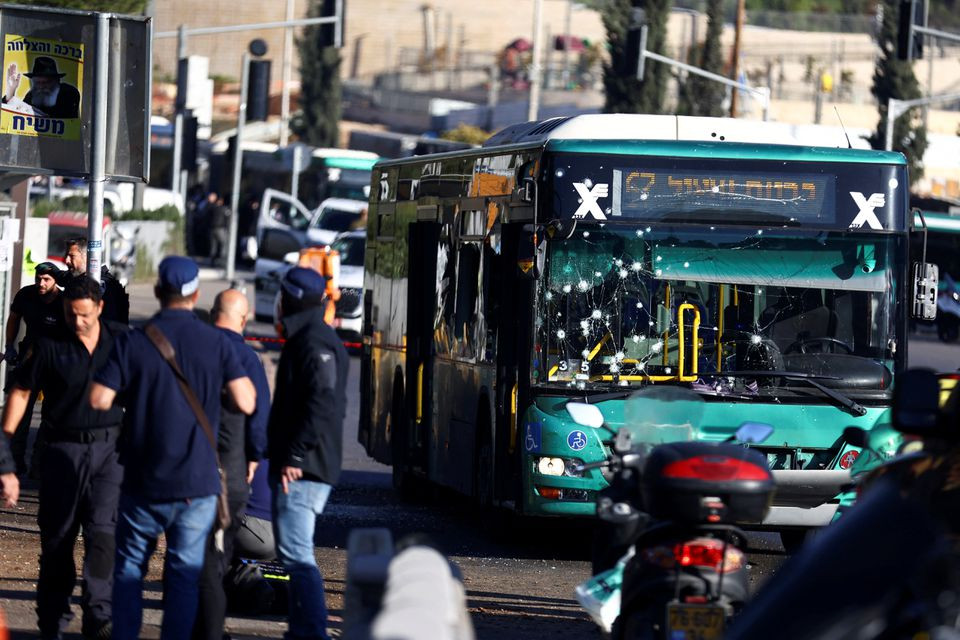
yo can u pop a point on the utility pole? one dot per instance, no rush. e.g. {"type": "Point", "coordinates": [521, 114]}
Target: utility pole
{"type": "Point", "coordinates": [287, 77]}
{"type": "Point", "coordinates": [534, 105]}
{"type": "Point", "coordinates": [735, 62]}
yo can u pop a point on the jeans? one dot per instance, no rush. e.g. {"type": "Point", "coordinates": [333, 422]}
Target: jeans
{"type": "Point", "coordinates": [294, 520]}
{"type": "Point", "coordinates": [186, 524]}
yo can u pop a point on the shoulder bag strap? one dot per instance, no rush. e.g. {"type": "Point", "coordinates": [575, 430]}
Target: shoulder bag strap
{"type": "Point", "coordinates": [166, 350]}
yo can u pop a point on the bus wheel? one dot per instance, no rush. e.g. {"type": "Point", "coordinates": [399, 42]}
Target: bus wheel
{"type": "Point", "coordinates": [483, 459]}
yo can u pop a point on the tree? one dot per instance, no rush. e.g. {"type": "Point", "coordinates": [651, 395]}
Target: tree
{"type": "Point", "coordinates": [893, 78]}
{"type": "Point", "coordinates": [698, 95]}
{"type": "Point", "coordinates": [318, 121]}
{"type": "Point", "coordinates": [113, 6]}
{"type": "Point", "coordinates": [624, 93]}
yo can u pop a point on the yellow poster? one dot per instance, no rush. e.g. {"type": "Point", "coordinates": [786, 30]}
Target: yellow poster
{"type": "Point", "coordinates": [42, 80]}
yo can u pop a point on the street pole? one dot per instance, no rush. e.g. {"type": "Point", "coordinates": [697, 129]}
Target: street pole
{"type": "Point", "coordinates": [735, 63]}
{"type": "Point", "coordinates": [237, 165]}
{"type": "Point", "coordinates": [98, 149]}
{"type": "Point", "coordinates": [179, 106]}
{"type": "Point", "coordinates": [287, 78]}
{"type": "Point", "coordinates": [926, 108]}
{"type": "Point", "coordinates": [568, 25]}
{"type": "Point", "coordinates": [533, 106]}
{"type": "Point", "coordinates": [896, 108]}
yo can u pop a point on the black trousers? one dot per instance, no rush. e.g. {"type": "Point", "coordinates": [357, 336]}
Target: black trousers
{"type": "Point", "coordinates": [18, 443]}
{"type": "Point", "coordinates": [212, 610]}
{"type": "Point", "coordinates": [79, 487]}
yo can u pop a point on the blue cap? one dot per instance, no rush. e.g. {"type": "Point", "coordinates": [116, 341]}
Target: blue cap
{"type": "Point", "coordinates": [178, 274]}
{"type": "Point", "coordinates": [301, 283]}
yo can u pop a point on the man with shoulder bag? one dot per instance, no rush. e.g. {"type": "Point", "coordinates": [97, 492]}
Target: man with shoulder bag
{"type": "Point", "coordinates": [169, 377]}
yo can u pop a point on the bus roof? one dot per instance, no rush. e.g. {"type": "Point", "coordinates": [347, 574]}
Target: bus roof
{"type": "Point", "coordinates": [938, 222]}
{"type": "Point", "coordinates": [676, 136]}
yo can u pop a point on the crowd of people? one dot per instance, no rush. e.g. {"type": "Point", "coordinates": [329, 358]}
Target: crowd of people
{"type": "Point", "coordinates": [168, 428]}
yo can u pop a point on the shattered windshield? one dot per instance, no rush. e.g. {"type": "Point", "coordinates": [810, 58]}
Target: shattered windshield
{"type": "Point", "coordinates": [624, 305]}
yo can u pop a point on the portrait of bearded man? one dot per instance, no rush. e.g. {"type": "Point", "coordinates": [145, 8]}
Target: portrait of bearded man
{"type": "Point", "coordinates": [48, 95]}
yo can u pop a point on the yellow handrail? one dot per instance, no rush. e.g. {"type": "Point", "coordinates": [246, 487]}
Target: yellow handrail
{"type": "Point", "coordinates": [419, 416]}
{"type": "Point", "coordinates": [513, 417]}
{"type": "Point", "coordinates": [696, 342]}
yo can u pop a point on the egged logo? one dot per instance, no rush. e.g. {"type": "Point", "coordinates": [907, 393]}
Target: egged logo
{"type": "Point", "coordinates": [867, 215]}
{"type": "Point", "coordinates": [588, 200]}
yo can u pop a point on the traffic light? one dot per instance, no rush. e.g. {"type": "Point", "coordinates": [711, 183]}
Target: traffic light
{"type": "Point", "coordinates": [328, 31]}
{"type": "Point", "coordinates": [634, 44]}
{"type": "Point", "coordinates": [910, 44]}
{"type": "Point", "coordinates": [188, 148]}
{"type": "Point", "coordinates": [258, 96]}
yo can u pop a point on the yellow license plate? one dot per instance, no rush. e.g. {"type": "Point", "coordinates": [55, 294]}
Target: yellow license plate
{"type": "Point", "coordinates": [694, 621]}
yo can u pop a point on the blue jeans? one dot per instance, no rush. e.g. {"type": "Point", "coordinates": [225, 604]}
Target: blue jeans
{"type": "Point", "coordinates": [294, 520]}
{"type": "Point", "coordinates": [186, 524]}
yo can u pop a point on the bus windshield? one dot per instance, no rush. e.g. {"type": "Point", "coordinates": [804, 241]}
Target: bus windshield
{"type": "Point", "coordinates": [627, 305]}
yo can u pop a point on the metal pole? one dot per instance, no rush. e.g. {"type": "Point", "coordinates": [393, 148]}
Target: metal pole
{"type": "Point", "coordinates": [891, 116]}
{"type": "Point", "coordinates": [760, 92]}
{"type": "Point", "coordinates": [338, 24]}
{"type": "Point", "coordinates": [926, 108]}
{"type": "Point", "coordinates": [287, 78]}
{"type": "Point", "coordinates": [295, 174]}
{"type": "Point", "coordinates": [237, 165]}
{"type": "Point", "coordinates": [735, 63]}
{"type": "Point", "coordinates": [256, 26]}
{"type": "Point", "coordinates": [178, 118]}
{"type": "Point", "coordinates": [98, 149]}
{"type": "Point", "coordinates": [533, 106]}
{"type": "Point", "coordinates": [568, 25]}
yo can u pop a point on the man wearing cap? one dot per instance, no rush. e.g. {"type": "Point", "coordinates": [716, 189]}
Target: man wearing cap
{"type": "Point", "coordinates": [241, 442]}
{"type": "Point", "coordinates": [170, 481]}
{"type": "Point", "coordinates": [40, 308]}
{"type": "Point", "coordinates": [48, 95]}
{"type": "Point", "coordinates": [116, 302]}
{"type": "Point", "coordinates": [305, 440]}
{"type": "Point", "coordinates": [80, 473]}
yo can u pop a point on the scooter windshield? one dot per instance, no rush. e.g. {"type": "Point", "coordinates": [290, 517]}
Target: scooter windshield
{"type": "Point", "coordinates": [659, 414]}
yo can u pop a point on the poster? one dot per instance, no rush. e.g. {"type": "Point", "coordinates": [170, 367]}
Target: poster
{"type": "Point", "coordinates": [41, 87]}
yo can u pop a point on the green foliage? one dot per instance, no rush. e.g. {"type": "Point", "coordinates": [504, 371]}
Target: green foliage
{"type": "Point", "coordinates": [624, 93]}
{"type": "Point", "coordinates": [698, 95]}
{"type": "Point", "coordinates": [166, 212]}
{"type": "Point", "coordinates": [318, 120]}
{"type": "Point", "coordinates": [466, 133]}
{"type": "Point", "coordinates": [113, 6]}
{"type": "Point", "coordinates": [894, 78]}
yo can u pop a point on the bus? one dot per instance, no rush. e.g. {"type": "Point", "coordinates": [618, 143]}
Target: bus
{"type": "Point", "coordinates": [583, 258]}
{"type": "Point", "coordinates": [308, 173]}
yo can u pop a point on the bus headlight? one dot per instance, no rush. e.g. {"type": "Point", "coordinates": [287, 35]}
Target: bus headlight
{"type": "Point", "coordinates": [558, 467]}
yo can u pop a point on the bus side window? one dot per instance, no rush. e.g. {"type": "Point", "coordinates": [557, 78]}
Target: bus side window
{"type": "Point", "coordinates": [466, 314]}
{"type": "Point", "coordinates": [446, 288]}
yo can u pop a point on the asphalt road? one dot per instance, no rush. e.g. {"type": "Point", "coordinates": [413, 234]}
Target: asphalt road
{"type": "Point", "coordinates": [519, 580]}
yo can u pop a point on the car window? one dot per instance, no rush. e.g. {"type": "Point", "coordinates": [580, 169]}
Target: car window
{"type": "Point", "coordinates": [351, 250]}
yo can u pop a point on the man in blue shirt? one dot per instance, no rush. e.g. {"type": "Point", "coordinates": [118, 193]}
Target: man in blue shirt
{"type": "Point", "coordinates": [170, 481]}
{"type": "Point", "coordinates": [241, 443]}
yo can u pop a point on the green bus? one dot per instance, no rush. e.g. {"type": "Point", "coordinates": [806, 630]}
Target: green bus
{"type": "Point", "coordinates": [583, 258]}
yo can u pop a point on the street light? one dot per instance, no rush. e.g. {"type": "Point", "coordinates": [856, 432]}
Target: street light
{"type": "Point", "coordinates": [257, 48]}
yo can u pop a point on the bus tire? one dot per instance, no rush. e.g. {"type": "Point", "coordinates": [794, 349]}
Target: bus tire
{"type": "Point", "coordinates": [483, 472]}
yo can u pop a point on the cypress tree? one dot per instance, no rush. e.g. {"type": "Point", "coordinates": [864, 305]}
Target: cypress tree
{"type": "Point", "coordinates": [624, 93]}
{"type": "Point", "coordinates": [318, 120]}
{"type": "Point", "coordinates": [894, 78]}
{"type": "Point", "coordinates": [698, 95]}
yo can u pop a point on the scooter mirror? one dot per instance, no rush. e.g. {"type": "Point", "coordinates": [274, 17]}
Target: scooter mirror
{"type": "Point", "coordinates": [916, 403]}
{"type": "Point", "coordinates": [587, 415]}
{"type": "Point", "coordinates": [855, 437]}
{"type": "Point", "coordinates": [753, 432]}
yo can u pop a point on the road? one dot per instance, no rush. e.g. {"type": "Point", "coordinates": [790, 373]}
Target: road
{"type": "Point", "coordinates": [519, 582]}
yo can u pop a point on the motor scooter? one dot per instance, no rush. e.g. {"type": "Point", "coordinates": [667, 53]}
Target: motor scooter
{"type": "Point", "coordinates": [123, 253]}
{"type": "Point", "coordinates": [676, 501]}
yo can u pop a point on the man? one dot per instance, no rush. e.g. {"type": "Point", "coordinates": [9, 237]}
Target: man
{"type": "Point", "coordinates": [219, 231]}
{"type": "Point", "coordinates": [39, 306]}
{"type": "Point", "coordinates": [116, 302]}
{"type": "Point", "coordinates": [48, 95]}
{"type": "Point", "coordinates": [305, 440]}
{"type": "Point", "coordinates": [241, 443]}
{"type": "Point", "coordinates": [80, 475]}
{"type": "Point", "coordinates": [170, 480]}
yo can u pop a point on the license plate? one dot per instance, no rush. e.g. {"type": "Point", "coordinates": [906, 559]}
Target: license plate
{"type": "Point", "coordinates": [694, 622]}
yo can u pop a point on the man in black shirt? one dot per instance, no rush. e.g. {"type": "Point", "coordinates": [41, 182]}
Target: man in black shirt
{"type": "Point", "coordinates": [39, 306]}
{"type": "Point", "coordinates": [80, 471]}
{"type": "Point", "coordinates": [116, 301]}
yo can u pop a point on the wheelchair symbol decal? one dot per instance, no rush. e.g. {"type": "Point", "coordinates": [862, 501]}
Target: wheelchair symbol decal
{"type": "Point", "coordinates": [532, 437]}
{"type": "Point", "coordinates": [577, 440]}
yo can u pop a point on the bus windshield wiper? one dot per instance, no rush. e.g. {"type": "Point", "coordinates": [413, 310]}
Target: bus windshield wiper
{"type": "Point", "coordinates": [809, 378]}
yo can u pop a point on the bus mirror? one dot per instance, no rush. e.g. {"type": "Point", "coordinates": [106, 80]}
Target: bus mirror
{"type": "Point", "coordinates": [925, 280]}
{"type": "Point", "coordinates": [528, 189]}
{"type": "Point", "coordinates": [531, 254]}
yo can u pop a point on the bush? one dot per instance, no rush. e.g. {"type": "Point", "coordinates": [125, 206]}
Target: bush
{"type": "Point", "coordinates": [166, 212]}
